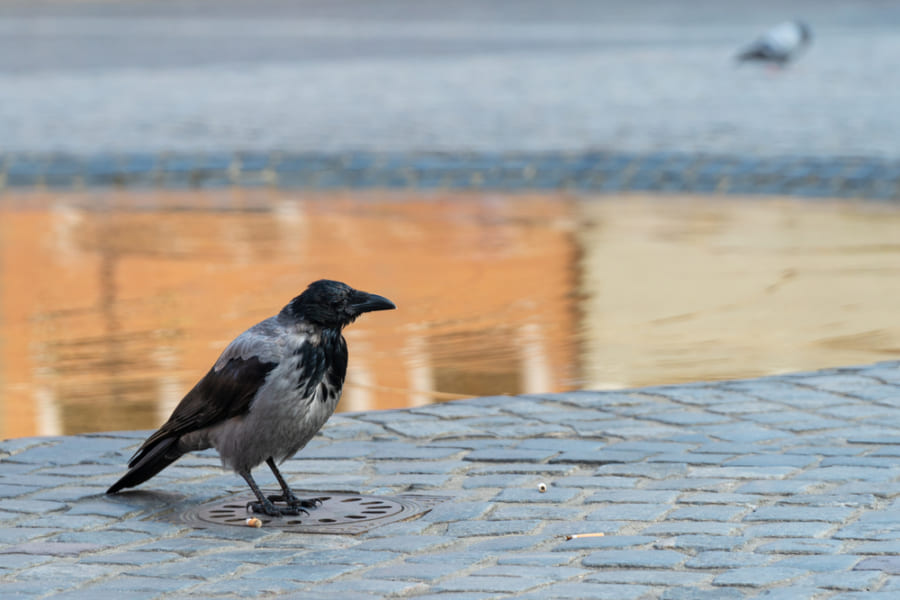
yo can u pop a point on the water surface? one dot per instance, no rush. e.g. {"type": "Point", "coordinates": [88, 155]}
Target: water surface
{"type": "Point", "coordinates": [113, 304]}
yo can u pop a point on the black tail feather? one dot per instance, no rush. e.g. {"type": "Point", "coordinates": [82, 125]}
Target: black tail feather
{"type": "Point", "coordinates": [147, 463]}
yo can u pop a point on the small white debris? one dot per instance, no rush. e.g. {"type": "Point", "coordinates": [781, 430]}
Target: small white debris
{"type": "Point", "coordinates": [542, 487]}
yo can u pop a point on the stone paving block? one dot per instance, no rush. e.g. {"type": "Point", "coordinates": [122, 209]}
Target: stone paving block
{"type": "Point", "coordinates": [525, 571]}
{"type": "Point", "coordinates": [849, 500]}
{"type": "Point", "coordinates": [743, 500]}
{"type": "Point", "coordinates": [107, 538]}
{"type": "Point", "coordinates": [473, 528]}
{"type": "Point", "coordinates": [700, 542]}
{"type": "Point", "coordinates": [507, 585]}
{"type": "Point", "coordinates": [844, 580]}
{"type": "Point", "coordinates": [772, 460]}
{"type": "Point", "coordinates": [870, 474]}
{"type": "Point", "coordinates": [606, 541]}
{"type": "Point", "coordinates": [727, 560]}
{"type": "Point", "coordinates": [885, 564]}
{"type": "Point", "coordinates": [244, 587]}
{"type": "Point", "coordinates": [687, 417]}
{"type": "Point", "coordinates": [537, 559]}
{"type": "Point", "coordinates": [802, 546]}
{"type": "Point", "coordinates": [531, 494]}
{"type": "Point", "coordinates": [650, 577]}
{"type": "Point", "coordinates": [128, 558]}
{"type": "Point", "coordinates": [500, 455]}
{"type": "Point", "coordinates": [207, 567]}
{"type": "Point", "coordinates": [775, 487]}
{"type": "Point", "coordinates": [595, 591]}
{"type": "Point", "coordinates": [453, 511]}
{"type": "Point", "coordinates": [628, 512]}
{"type": "Point", "coordinates": [648, 470]}
{"type": "Point", "coordinates": [767, 472]}
{"type": "Point", "coordinates": [782, 529]}
{"type": "Point", "coordinates": [693, 593]}
{"type": "Point", "coordinates": [818, 563]}
{"type": "Point", "coordinates": [707, 512]}
{"type": "Point", "coordinates": [577, 481]}
{"type": "Point", "coordinates": [827, 514]}
{"type": "Point", "coordinates": [32, 507]}
{"type": "Point", "coordinates": [652, 559]}
{"type": "Point", "coordinates": [298, 573]}
{"type": "Point", "coordinates": [692, 527]}
{"type": "Point", "coordinates": [888, 547]}
{"type": "Point", "coordinates": [549, 512]}
{"type": "Point", "coordinates": [757, 576]}
{"type": "Point", "coordinates": [633, 496]}
{"type": "Point", "coordinates": [602, 457]}
{"type": "Point", "coordinates": [415, 571]}
{"type": "Point", "coordinates": [373, 589]}
{"type": "Point", "coordinates": [691, 483]}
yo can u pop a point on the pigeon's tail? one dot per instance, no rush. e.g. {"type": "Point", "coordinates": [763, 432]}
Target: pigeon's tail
{"type": "Point", "coordinates": [147, 463]}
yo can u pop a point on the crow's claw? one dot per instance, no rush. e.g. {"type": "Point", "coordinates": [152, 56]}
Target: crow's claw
{"type": "Point", "coordinates": [295, 502]}
{"type": "Point", "coordinates": [276, 511]}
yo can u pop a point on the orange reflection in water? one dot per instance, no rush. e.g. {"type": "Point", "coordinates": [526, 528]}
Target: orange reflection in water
{"type": "Point", "coordinates": [113, 304]}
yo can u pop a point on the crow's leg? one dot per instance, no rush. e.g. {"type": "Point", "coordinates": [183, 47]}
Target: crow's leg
{"type": "Point", "coordinates": [287, 496]}
{"type": "Point", "coordinates": [265, 505]}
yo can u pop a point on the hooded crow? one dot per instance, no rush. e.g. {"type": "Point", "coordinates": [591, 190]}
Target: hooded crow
{"type": "Point", "coordinates": [779, 45]}
{"type": "Point", "coordinates": [267, 395]}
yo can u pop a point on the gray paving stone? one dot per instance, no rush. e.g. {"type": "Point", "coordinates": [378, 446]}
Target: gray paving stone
{"type": "Point", "coordinates": [472, 583]}
{"type": "Point", "coordinates": [531, 494]}
{"type": "Point", "coordinates": [415, 571]}
{"type": "Point", "coordinates": [556, 573]}
{"type": "Point", "coordinates": [675, 528]}
{"type": "Point", "coordinates": [693, 593]}
{"type": "Point", "coordinates": [651, 577]}
{"type": "Point", "coordinates": [658, 559]}
{"type": "Point", "coordinates": [853, 580]}
{"type": "Point", "coordinates": [549, 512]}
{"type": "Point", "coordinates": [885, 564]}
{"type": "Point", "coordinates": [500, 455]}
{"type": "Point", "coordinates": [827, 514]}
{"type": "Point", "coordinates": [700, 543]}
{"type": "Point", "coordinates": [373, 589]}
{"type": "Point", "coordinates": [802, 546]}
{"type": "Point", "coordinates": [297, 573]}
{"type": "Point", "coordinates": [537, 559]}
{"type": "Point", "coordinates": [473, 528]}
{"type": "Point", "coordinates": [707, 512]}
{"type": "Point", "coordinates": [809, 529]}
{"type": "Point", "coordinates": [628, 512]}
{"type": "Point", "coordinates": [818, 563]}
{"type": "Point", "coordinates": [727, 560]}
{"type": "Point", "coordinates": [757, 576]}
{"type": "Point", "coordinates": [597, 591]}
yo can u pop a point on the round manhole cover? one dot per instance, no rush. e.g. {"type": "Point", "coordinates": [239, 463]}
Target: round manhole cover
{"type": "Point", "coordinates": [336, 513]}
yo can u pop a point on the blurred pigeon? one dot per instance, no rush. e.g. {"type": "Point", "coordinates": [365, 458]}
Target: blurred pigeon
{"type": "Point", "coordinates": [779, 45]}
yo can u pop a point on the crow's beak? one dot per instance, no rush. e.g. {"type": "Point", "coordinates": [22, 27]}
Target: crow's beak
{"type": "Point", "coordinates": [363, 302]}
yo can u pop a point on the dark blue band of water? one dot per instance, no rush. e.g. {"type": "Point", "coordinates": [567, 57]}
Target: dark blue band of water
{"type": "Point", "coordinates": [826, 177]}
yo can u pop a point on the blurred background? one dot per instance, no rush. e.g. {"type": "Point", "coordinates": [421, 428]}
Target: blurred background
{"type": "Point", "coordinates": [148, 214]}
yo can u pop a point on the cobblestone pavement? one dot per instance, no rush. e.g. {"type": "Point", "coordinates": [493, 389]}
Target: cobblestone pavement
{"type": "Point", "coordinates": [780, 487]}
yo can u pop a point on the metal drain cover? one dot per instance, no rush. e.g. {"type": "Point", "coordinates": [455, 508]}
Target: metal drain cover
{"type": "Point", "coordinates": [338, 513]}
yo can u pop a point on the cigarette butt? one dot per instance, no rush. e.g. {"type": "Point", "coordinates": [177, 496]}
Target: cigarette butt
{"type": "Point", "coordinates": [254, 522]}
{"type": "Point", "coordinates": [575, 536]}
{"type": "Point", "coordinates": [542, 487]}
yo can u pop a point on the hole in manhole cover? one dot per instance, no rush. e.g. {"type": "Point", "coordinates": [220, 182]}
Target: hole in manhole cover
{"type": "Point", "coordinates": [338, 513]}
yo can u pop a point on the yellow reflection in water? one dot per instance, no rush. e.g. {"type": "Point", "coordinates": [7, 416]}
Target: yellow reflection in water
{"type": "Point", "coordinates": [113, 304]}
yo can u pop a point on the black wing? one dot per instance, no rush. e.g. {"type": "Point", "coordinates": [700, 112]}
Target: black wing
{"type": "Point", "coordinates": [219, 396]}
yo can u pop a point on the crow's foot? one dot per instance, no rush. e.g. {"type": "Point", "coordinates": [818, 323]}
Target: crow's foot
{"type": "Point", "coordinates": [295, 502]}
{"type": "Point", "coordinates": [267, 508]}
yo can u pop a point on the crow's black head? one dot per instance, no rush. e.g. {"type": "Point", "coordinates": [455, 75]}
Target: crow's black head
{"type": "Point", "coordinates": [334, 304]}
